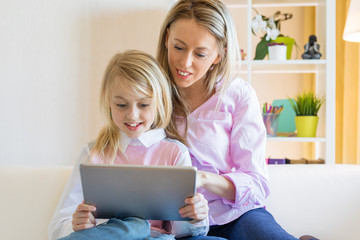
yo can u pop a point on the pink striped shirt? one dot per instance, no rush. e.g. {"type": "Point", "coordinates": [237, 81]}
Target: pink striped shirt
{"type": "Point", "coordinates": [231, 142]}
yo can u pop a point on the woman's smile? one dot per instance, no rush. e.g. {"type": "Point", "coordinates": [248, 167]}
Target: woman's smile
{"type": "Point", "coordinates": [192, 50]}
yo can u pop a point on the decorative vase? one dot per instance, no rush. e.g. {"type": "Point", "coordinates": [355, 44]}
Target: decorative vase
{"type": "Point", "coordinates": [306, 125]}
{"type": "Point", "coordinates": [277, 52]}
{"type": "Point", "coordinates": [289, 42]}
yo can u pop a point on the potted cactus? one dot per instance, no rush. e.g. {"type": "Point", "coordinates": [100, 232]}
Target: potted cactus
{"type": "Point", "coordinates": [306, 107]}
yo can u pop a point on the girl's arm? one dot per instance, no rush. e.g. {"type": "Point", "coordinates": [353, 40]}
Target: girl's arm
{"type": "Point", "coordinates": [196, 208]}
{"type": "Point", "coordinates": [61, 224]}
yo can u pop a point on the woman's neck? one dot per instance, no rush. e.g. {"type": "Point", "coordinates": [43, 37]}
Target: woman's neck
{"type": "Point", "coordinates": [195, 95]}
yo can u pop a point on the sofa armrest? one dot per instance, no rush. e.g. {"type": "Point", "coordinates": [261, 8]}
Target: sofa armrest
{"type": "Point", "coordinates": [29, 196]}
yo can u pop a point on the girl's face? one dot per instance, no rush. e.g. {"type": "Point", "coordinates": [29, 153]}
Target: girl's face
{"type": "Point", "coordinates": [192, 49]}
{"type": "Point", "coordinates": [132, 111]}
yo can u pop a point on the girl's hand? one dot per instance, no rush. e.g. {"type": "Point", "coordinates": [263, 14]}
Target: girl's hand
{"type": "Point", "coordinates": [83, 217]}
{"type": "Point", "coordinates": [196, 208]}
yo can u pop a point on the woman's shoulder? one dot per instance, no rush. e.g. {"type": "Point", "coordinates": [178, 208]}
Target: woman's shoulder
{"type": "Point", "coordinates": [238, 89]}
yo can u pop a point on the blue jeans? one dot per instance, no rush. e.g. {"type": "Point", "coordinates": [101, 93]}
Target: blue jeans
{"type": "Point", "coordinates": [201, 238]}
{"type": "Point", "coordinates": [256, 224]}
{"type": "Point", "coordinates": [126, 229]}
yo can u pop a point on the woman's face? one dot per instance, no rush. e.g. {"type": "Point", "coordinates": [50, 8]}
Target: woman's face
{"type": "Point", "coordinates": [132, 112]}
{"type": "Point", "coordinates": [192, 50]}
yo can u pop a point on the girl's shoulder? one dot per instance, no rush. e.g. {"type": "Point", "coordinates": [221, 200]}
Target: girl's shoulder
{"type": "Point", "coordinates": [176, 144]}
{"type": "Point", "coordinates": [85, 152]}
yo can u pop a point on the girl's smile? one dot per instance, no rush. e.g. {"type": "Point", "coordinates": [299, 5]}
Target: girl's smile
{"type": "Point", "coordinates": [131, 111]}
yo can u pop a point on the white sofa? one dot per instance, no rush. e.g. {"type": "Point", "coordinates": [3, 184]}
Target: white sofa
{"type": "Point", "coordinates": [321, 200]}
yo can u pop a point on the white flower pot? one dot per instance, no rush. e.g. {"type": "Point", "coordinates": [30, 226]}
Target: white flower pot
{"type": "Point", "coordinates": [277, 52]}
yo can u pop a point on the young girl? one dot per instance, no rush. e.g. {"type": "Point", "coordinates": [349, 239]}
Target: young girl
{"type": "Point", "coordinates": [136, 102]}
{"type": "Point", "coordinates": [198, 48]}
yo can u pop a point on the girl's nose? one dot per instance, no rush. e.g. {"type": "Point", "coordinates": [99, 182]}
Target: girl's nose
{"type": "Point", "coordinates": [133, 112]}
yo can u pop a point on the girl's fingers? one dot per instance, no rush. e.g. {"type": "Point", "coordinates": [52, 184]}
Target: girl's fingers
{"type": "Point", "coordinates": [83, 217]}
{"type": "Point", "coordinates": [196, 208]}
{"type": "Point", "coordinates": [79, 227]}
{"type": "Point", "coordinates": [85, 207]}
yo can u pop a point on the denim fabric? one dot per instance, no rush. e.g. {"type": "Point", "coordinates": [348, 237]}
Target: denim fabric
{"type": "Point", "coordinates": [256, 224]}
{"type": "Point", "coordinates": [201, 238]}
{"type": "Point", "coordinates": [126, 229]}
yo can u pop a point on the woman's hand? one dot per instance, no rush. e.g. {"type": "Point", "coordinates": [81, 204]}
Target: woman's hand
{"type": "Point", "coordinates": [196, 208]}
{"type": "Point", "coordinates": [216, 184]}
{"type": "Point", "coordinates": [83, 217]}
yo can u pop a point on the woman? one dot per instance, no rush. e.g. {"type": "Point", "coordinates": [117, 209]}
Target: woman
{"type": "Point", "coordinates": [199, 50]}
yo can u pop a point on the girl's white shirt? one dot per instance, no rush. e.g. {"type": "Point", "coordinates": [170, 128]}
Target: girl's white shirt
{"type": "Point", "coordinates": [152, 143]}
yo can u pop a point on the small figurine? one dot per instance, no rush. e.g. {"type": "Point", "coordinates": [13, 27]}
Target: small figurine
{"type": "Point", "coordinates": [311, 49]}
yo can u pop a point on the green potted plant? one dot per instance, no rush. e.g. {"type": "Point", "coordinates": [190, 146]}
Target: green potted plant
{"type": "Point", "coordinates": [270, 28]}
{"type": "Point", "coordinates": [306, 107]}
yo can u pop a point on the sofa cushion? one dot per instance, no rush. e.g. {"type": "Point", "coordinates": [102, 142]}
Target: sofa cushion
{"type": "Point", "coordinates": [320, 200]}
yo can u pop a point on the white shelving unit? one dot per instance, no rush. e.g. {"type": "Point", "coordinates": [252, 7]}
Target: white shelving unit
{"type": "Point", "coordinates": [323, 69]}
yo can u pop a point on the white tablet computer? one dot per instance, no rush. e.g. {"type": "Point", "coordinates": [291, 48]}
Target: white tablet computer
{"type": "Point", "coordinates": [148, 192]}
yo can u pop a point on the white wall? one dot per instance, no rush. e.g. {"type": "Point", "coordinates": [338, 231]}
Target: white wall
{"type": "Point", "coordinates": [52, 57]}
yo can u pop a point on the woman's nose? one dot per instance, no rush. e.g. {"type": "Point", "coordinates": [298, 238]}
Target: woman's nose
{"type": "Point", "coordinates": [187, 60]}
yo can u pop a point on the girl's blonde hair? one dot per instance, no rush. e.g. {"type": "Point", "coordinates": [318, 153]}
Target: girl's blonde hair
{"type": "Point", "coordinates": [142, 73]}
{"type": "Point", "coordinates": [216, 18]}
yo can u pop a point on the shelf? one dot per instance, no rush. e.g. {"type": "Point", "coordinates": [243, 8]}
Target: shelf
{"type": "Point", "coordinates": [318, 75]}
{"type": "Point", "coordinates": [288, 66]}
{"type": "Point", "coordinates": [285, 3]}
{"type": "Point", "coordinates": [296, 139]}
{"type": "Point", "coordinates": [274, 3]}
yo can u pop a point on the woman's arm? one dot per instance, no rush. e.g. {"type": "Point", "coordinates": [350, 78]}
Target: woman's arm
{"type": "Point", "coordinates": [216, 184]}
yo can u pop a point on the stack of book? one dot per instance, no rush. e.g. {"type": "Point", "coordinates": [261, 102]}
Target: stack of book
{"type": "Point", "coordinates": [294, 161]}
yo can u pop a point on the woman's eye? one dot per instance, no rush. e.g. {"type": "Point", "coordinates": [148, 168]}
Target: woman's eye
{"type": "Point", "coordinates": [201, 55]}
{"type": "Point", "coordinates": [178, 48]}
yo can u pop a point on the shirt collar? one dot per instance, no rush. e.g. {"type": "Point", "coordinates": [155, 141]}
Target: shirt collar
{"type": "Point", "coordinates": [146, 139]}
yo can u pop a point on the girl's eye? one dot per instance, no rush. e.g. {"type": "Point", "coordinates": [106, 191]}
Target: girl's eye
{"type": "Point", "coordinates": [121, 105]}
{"type": "Point", "coordinates": [144, 105]}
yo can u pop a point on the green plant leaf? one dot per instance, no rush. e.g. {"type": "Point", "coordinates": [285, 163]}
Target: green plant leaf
{"type": "Point", "coordinates": [261, 49]}
{"type": "Point", "coordinates": [307, 104]}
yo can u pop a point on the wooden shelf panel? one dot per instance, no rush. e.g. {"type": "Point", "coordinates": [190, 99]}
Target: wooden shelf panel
{"type": "Point", "coordinates": [288, 66]}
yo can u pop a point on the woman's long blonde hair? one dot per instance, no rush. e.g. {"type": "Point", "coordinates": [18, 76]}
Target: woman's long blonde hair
{"type": "Point", "coordinates": [141, 72]}
{"type": "Point", "coordinates": [216, 18]}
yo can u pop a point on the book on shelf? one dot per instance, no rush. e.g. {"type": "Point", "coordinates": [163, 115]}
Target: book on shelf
{"type": "Point", "coordinates": [304, 161]}
{"type": "Point", "coordinates": [275, 160]}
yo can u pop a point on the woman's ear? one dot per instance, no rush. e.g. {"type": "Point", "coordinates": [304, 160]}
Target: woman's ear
{"type": "Point", "coordinates": [219, 57]}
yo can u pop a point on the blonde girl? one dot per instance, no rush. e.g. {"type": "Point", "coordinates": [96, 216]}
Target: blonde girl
{"type": "Point", "coordinates": [140, 129]}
